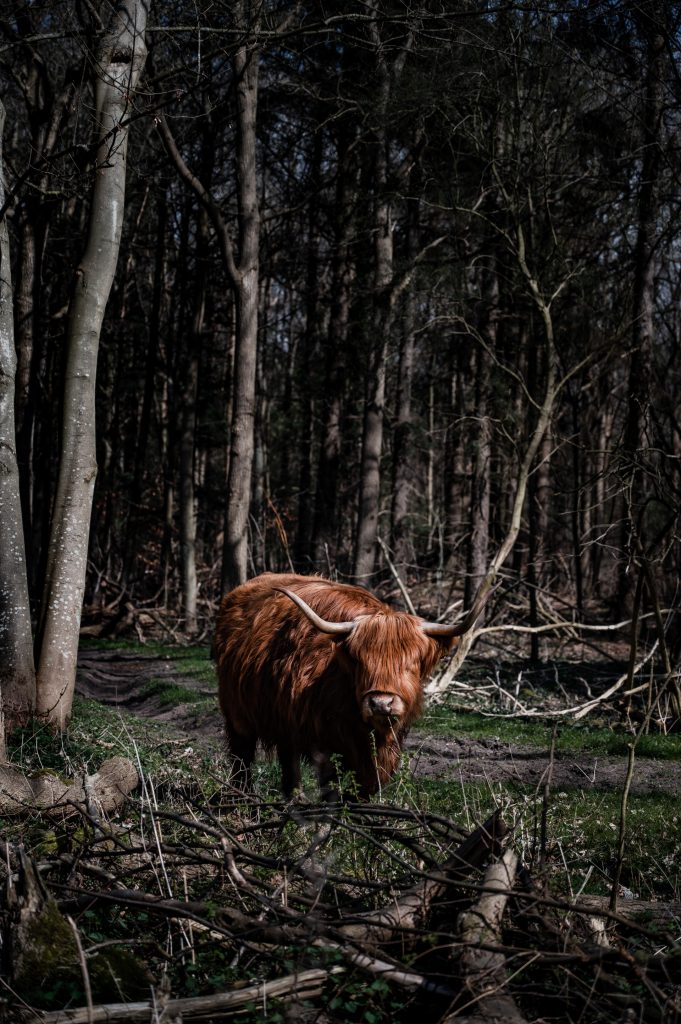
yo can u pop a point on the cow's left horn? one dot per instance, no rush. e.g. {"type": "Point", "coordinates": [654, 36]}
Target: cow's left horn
{"type": "Point", "coordinates": [324, 625]}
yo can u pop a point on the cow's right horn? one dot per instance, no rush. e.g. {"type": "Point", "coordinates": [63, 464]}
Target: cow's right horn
{"type": "Point", "coordinates": [459, 628]}
{"type": "Point", "coordinates": [324, 625]}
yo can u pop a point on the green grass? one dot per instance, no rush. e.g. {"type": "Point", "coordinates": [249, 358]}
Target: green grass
{"type": "Point", "coordinates": [191, 661]}
{"type": "Point", "coordinates": [598, 740]}
{"type": "Point", "coordinates": [170, 694]}
{"type": "Point", "coordinates": [582, 829]}
{"type": "Point", "coordinates": [96, 733]}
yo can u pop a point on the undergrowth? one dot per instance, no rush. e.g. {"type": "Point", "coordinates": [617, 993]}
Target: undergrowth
{"type": "Point", "coordinates": [176, 837]}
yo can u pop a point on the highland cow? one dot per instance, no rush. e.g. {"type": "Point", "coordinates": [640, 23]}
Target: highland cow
{"type": "Point", "coordinates": [322, 671]}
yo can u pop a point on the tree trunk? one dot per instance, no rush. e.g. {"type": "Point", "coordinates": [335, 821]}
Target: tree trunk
{"type": "Point", "coordinates": [637, 435]}
{"type": "Point", "coordinates": [325, 526]}
{"type": "Point", "coordinates": [235, 565]}
{"type": "Point", "coordinates": [187, 444]}
{"type": "Point", "coordinates": [188, 415]}
{"type": "Point", "coordinates": [372, 436]}
{"type": "Point", "coordinates": [17, 673]}
{"type": "Point", "coordinates": [119, 62]}
{"type": "Point", "coordinates": [479, 511]}
{"type": "Point", "coordinates": [459, 352]}
{"type": "Point", "coordinates": [308, 347]}
{"type": "Point", "coordinates": [403, 470]}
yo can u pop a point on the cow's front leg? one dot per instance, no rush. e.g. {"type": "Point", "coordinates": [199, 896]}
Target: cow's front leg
{"type": "Point", "coordinates": [289, 759]}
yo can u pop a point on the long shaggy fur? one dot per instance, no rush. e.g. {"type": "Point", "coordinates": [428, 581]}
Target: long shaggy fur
{"type": "Point", "coordinates": [284, 683]}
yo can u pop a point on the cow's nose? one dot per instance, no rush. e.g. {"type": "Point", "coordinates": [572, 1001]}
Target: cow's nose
{"type": "Point", "coordinates": [381, 703]}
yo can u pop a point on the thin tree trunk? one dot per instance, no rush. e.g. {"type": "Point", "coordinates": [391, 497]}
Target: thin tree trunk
{"type": "Point", "coordinates": [578, 455]}
{"type": "Point", "coordinates": [235, 565]}
{"type": "Point", "coordinates": [17, 673]}
{"type": "Point", "coordinates": [187, 442]}
{"type": "Point", "coordinates": [325, 527]}
{"type": "Point", "coordinates": [479, 511]}
{"type": "Point", "coordinates": [372, 436]}
{"type": "Point", "coordinates": [637, 429]}
{"type": "Point", "coordinates": [188, 416]}
{"type": "Point", "coordinates": [403, 470]}
{"type": "Point", "coordinates": [119, 64]}
{"type": "Point", "coordinates": [308, 348]}
{"type": "Point", "coordinates": [454, 451]}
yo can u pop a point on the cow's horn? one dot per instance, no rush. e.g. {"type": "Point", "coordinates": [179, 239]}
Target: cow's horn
{"type": "Point", "coordinates": [459, 628]}
{"type": "Point", "coordinates": [335, 628]}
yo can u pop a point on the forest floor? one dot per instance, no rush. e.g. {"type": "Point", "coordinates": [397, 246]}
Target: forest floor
{"type": "Point", "coordinates": [155, 686]}
{"type": "Point", "coordinates": [206, 893]}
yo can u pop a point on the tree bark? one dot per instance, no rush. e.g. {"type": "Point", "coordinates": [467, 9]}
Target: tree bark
{"type": "Point", "coordinates": [325, 527]}
{"type": "Point", "coordinates": [637, 434]}
{"type": "Point", "coordinates": [235, 565]}
{"type": "Point", "coordinates": [188, 415]}
{"type": "Point", "coordinates": [372, 435]}
{"type": "Point", "coordinates": [119, 62]}
{"type": "Point", "coordinates": [479, 511]}
{"type": "Point", "coordinates": [17, 672]}
{"type": "Point", "coordinates": [309, 343]}
{"type": "Point", "coordinates": [403, 470]}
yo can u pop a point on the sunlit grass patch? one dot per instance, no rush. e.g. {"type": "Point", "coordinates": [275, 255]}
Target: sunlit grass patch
{"type": "Point", "coordinates": [582, 830]}
{"type": "Point", "coordinates": [598, 740]}
{"type": "Point", "coordinates": [193, 661]}
{"type": "Point", "coordinates": [170, 693]}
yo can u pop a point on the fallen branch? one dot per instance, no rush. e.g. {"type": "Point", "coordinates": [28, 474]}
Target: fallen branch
{"type": "Point", "coordinates": [411, 911]}
{"type": "Point", "coordinates": [107, 789]}
{"type": "Point", "coordinates": [293, 987]}
{"type": "Point", "coordinates": [657, 911]}
{"type": "Point", "coordinates": [484, 970]}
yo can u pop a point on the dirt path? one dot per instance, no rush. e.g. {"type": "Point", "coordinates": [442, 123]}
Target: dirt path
{"type": "Point", "coordinates": [118, 678]}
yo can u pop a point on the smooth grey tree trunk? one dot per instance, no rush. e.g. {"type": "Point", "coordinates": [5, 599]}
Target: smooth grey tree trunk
{"type": "Point", "coordinates": [188, 419]}
{"type": "Point", "coordinates": [479, 508]}
{"type": "Point", "coordinates": [17, 673]}
{"type": "Point", "coordinates": [187, 446]}
{"type": "Point", "coordinates": [403, 468]}
{"type": "Point", "coordinates": [119, 63]}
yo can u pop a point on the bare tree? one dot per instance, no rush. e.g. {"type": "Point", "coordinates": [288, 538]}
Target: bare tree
{"type": "Point", "coordinates": [118, 66]}
{"type": "Point", "coordinates": [17, 673]}
{"type": "Point", "coordinates": [243, 272]}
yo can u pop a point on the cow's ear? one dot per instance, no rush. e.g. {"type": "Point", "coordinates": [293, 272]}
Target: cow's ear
{"type": "Point", "coordinates": [446, 644]}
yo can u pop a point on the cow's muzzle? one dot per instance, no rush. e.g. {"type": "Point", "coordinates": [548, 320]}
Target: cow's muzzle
{"type": "Point", "coordinates": [381, 709]}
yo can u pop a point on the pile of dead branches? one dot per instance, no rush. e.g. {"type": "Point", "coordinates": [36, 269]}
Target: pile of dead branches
{"type": "Point", "coordinates": [356, 912]}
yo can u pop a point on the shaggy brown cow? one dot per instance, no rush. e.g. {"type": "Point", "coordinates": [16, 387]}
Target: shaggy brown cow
{"type": "Point", "coordinates": [323, 671]}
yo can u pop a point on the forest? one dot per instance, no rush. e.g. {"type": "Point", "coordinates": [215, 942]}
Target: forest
{"type": "Point", "coordinates": [395, 285]}
{"type": "Point", "coordinates": [383, 290]}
